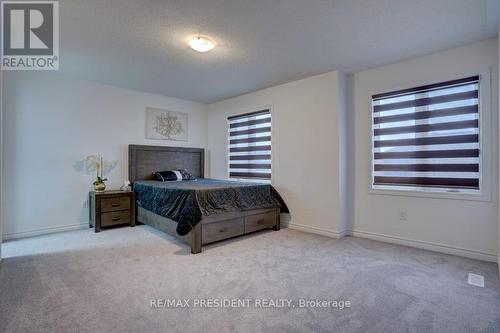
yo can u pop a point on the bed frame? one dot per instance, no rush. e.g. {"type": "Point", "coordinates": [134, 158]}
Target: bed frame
{"type": "Point", "coordinates": [143, 160]}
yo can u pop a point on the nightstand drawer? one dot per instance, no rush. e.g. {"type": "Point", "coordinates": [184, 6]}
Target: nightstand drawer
{"type": "Point", "coordinates": [115, 218]}
{"type": "Point", "coordinates": [114, 204]}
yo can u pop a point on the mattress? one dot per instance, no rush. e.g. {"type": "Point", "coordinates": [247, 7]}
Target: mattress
{"type": "Point", "coordinates": [186, 202]}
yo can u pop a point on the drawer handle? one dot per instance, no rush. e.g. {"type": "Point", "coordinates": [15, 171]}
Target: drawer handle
{"type": "Point", "coordinates": [115, 204]}
{"type": "Point", "coordinates": [261, 221]}
{"type": "Point", "coordinates": [116, 219]}
{"type": "Point", "coordinates": [223, 230]}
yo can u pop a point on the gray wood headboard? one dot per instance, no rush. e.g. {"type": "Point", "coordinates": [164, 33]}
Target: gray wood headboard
{"type": "Point", "coordinates": [144, 160]}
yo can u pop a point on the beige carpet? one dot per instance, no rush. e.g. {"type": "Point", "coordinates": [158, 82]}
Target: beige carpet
{"type": "Point", "coordinates": [85, 282]}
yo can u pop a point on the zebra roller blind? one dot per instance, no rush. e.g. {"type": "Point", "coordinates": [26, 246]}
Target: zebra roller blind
{"type": "Point", "coordinates": [428, 136]}
{"type": "Point", "coordinates": [250, 146]}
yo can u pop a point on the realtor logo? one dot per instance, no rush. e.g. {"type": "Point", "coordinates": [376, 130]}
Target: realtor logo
{"type": "Point", "coordinates": [30, 35]}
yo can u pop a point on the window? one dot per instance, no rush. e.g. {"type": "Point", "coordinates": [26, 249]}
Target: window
{"type": "Point", "coordinates": [250, 146]}
{"type": "Point", "coordinates": [428, 137]}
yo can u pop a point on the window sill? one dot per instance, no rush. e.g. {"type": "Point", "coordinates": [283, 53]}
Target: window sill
{"type": "Point", "coordinates": [246, 180]}
{"type": "Point", "coordinates": [430, 193]}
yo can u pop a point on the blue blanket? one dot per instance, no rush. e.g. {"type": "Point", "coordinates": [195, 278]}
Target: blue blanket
{"type": "Point", "coordinates": [186, 202]}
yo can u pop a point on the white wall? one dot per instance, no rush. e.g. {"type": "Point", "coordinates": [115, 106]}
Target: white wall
{"type": "Point", "coordinates": [456, 226]}
{"type": "Point", "coordinates": [1, 161]}
{"type": "Point", "coordinates": [307, 165]}
{"type": "Point", "coordinates": [50, 123]}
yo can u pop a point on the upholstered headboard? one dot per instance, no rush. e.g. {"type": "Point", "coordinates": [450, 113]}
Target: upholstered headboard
{"type": "Point", "coordinates": [144, 160]}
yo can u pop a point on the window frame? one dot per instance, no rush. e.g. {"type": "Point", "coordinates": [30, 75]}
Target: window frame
{"type": "Point", "coordinates": [269, 107]}
{"type": "Point", "coordinates": [485, 105]}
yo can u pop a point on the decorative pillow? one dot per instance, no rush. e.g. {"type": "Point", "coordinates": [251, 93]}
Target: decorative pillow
{"type": "Point", "coordinates": [167, 176]}
{"type": "Point", "coordinates": [173, 175]}
{"type": "Point", "coordinates": [186, 175]}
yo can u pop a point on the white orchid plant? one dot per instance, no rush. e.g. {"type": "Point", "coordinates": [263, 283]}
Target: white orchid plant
{"type": "Point", "coordinates": [96, 164]}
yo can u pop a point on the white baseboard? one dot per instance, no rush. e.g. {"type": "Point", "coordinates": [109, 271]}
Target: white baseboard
{"type": "Point", "coordinates": [425, 245]}
{"type": "Point", "coordinates": [44, 231]}
{"type": "Point", "coordinates": [316, 230]}
{"type": "Point", "coordinates": [431, 246]}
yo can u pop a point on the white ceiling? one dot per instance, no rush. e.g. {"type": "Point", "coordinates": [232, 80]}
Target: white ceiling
{"type": "Point", "coordinates": [260, 43]}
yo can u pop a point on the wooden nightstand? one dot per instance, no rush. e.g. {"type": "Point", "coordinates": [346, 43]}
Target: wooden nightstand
{"type": "Point", "coordinates": [110, 208]}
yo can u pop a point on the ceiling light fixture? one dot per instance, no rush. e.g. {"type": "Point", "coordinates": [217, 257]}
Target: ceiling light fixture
{"type": "Point", "coordinates": [201, 43]}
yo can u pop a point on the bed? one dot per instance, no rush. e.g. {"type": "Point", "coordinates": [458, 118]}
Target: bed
{"type": "Point", "coordinates": [200, 211]}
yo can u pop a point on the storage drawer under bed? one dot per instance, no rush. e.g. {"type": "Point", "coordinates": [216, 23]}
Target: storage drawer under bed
{"type": "Point", "coordinates": [212, 232]}
{"type": "Point", "coordinates": [260, 221]}
{"type": "Point", "coordinates": [216, 231]}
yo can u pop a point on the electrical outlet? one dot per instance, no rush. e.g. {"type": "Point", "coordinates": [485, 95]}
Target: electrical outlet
{"type": "Point", "coordinates": [403, 215]}
{"type": "Point", "coordinates": [85, 203]}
